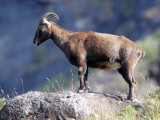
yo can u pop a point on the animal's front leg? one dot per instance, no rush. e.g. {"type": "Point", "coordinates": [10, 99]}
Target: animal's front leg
{"type": "Point", "coordinates": [86, 83]}
{"type": "Point", "coordinates": [82, 68]}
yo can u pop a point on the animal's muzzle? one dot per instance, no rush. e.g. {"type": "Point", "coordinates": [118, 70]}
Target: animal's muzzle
{"type": "Point", "coordinates": [36, 43]}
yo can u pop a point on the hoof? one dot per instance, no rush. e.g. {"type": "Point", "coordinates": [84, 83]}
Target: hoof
{"type": "Point", "coordinates": [126, 100]}
{"type": "Point", "coordinates": [86, 90]}
{"type": "Point", "coordinates": [80, 91]}
{"type": "Point", "coordinates": [129, 98]}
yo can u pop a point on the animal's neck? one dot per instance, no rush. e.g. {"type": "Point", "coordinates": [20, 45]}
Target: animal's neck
{"type": "Point", "coordinates": [59, 35]}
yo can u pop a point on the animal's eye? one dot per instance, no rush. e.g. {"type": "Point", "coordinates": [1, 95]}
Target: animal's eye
{"type": "Point", "coordinates": [43, 27]}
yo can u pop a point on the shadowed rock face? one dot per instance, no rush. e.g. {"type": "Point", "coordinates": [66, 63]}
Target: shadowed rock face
{"type": "Point", "coordinates": [63, 105]}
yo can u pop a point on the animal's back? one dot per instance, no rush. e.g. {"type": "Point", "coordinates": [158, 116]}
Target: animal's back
{"type": "Point", "coordinates": [100, 44]}
{"type": "Point", "coordinates": [109, 45]}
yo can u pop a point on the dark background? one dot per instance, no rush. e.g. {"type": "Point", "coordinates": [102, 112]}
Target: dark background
{"type": "Point", "coordinates": [24, 67]}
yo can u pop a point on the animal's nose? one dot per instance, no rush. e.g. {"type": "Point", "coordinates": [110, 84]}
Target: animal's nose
{"type": "Point", "coordinates": [34, 42]}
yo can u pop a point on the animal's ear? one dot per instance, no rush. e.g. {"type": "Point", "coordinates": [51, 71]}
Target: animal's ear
{"type": "Point", "coordinates": [46, 23]}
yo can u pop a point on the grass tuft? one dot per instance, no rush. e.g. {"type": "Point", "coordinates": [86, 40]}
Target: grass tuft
{"type": "Point", "coordinates": [2, 102]}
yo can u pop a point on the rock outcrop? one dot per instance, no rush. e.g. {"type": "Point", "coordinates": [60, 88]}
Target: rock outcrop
{"type": "Point", "coordinates": [62, 105]}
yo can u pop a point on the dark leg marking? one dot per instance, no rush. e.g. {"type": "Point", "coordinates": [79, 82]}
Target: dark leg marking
{"type": "Point", "coordinates": [86, 83]}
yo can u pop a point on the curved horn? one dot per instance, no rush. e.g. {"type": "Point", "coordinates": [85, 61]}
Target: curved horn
{"type": "Point", "coordinates": [49, 15]}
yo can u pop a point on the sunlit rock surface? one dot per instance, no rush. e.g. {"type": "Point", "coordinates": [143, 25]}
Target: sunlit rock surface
{"type": "Point", "coordinates": [63, 105]}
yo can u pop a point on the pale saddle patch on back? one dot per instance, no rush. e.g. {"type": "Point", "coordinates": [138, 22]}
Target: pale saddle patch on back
{"type": "Point", "coordinates": [105, 35]}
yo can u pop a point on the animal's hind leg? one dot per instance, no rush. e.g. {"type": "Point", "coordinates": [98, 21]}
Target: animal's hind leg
{"type": "Point", "coordinates": [123, 73]}
{"type": "Point", "coordinates": [127, 72]}
{"type": "Point", "coordinates": [86, 83]}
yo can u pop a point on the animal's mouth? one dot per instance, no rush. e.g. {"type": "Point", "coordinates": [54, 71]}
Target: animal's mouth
{"type": "Point", "coordinates": [36, 43]}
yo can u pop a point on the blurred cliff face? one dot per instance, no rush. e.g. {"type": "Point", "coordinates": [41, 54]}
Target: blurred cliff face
{"type": "Point", "coordinates": [21, 61]}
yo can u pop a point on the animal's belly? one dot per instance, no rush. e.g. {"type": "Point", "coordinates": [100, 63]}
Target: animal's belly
{"type": "Point", "coordinates": [107, 66]}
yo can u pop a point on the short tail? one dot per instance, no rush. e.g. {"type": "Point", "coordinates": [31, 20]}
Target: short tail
{"type": "Point", "coordinates": [142, 55]}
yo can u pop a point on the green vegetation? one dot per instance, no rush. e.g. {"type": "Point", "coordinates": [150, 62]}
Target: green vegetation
{"type": "Point", "coordinates": [150, 111]}
{"type": "Point", "coordinates": [2, 102]}
{"type": "Point", "coordinates": [127, 112]}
